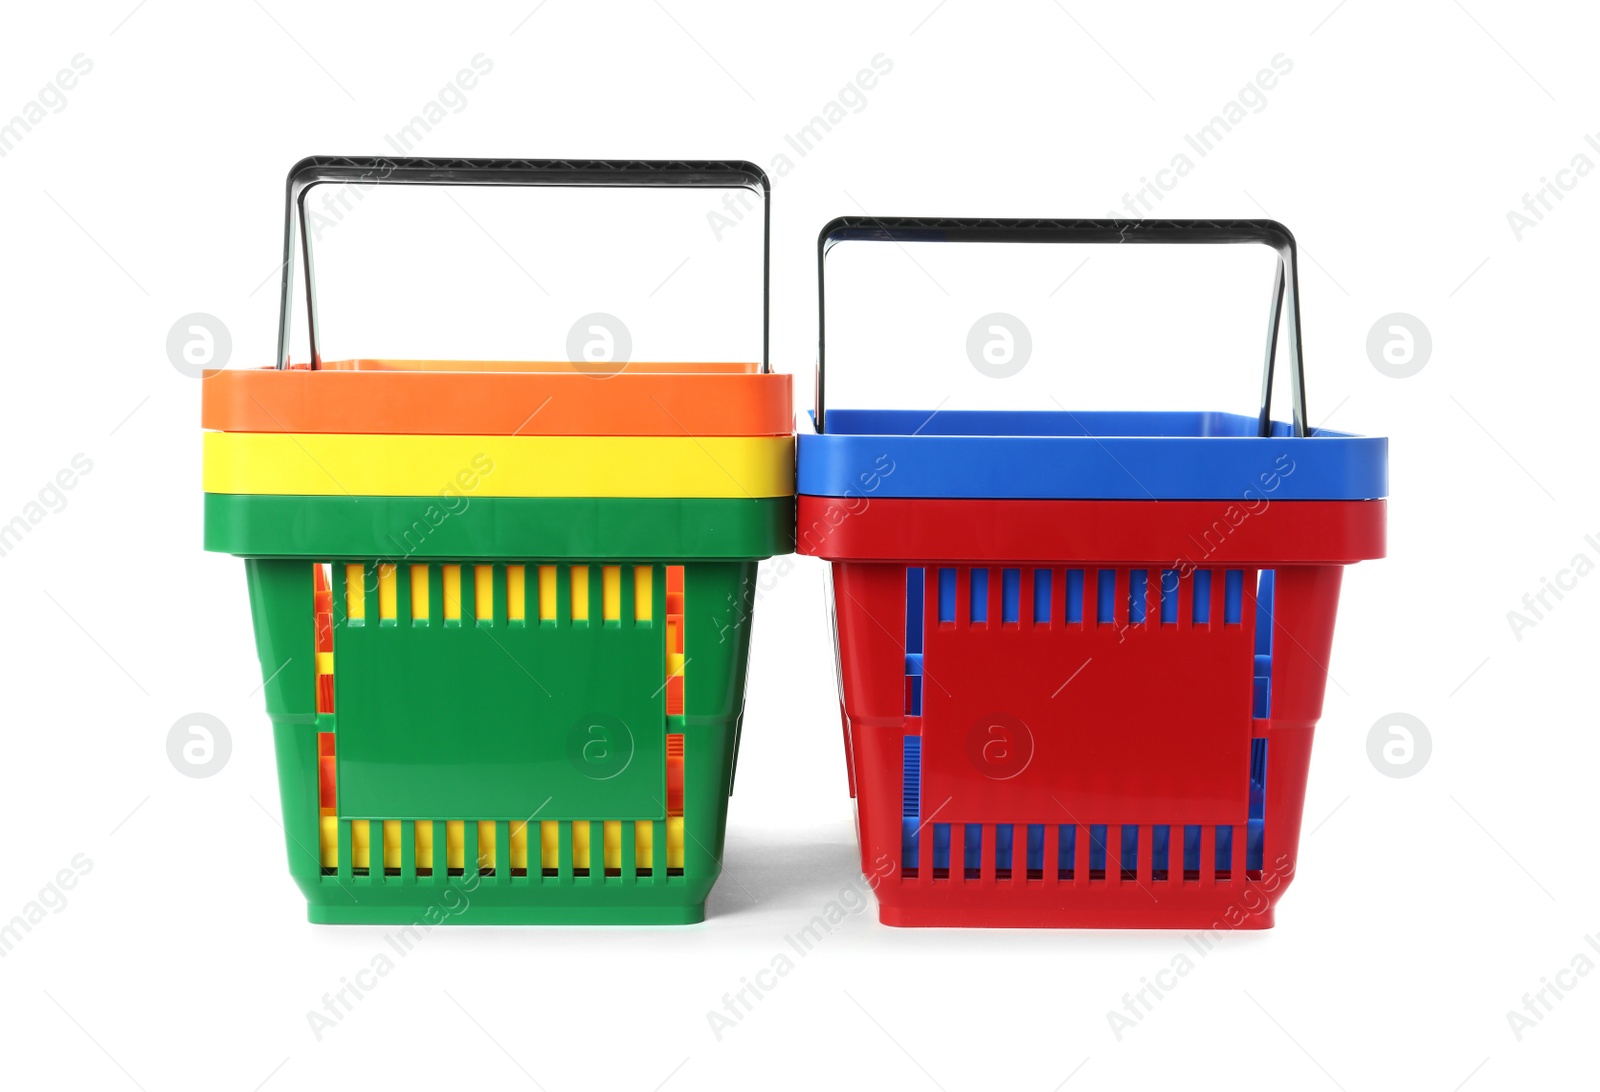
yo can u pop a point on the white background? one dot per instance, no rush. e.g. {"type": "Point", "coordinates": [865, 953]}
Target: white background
{"type": "Point", "coordinates": [1424, 907]}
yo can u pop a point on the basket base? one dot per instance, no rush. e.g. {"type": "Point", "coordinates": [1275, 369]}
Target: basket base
{"type": "Point", "coordinates": [1216, 911]}
{"type": "Point", "coordinates": [421, 909]}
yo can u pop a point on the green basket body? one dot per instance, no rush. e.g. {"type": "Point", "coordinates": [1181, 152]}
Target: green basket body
{"type": "Point", "coordinates": [560, 723]}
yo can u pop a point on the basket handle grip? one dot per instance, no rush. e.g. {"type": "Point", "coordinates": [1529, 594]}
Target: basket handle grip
{"type": "Point", "coordinates": [616, 173]}
{"type": "Point", "coordinates": [1270, 233]}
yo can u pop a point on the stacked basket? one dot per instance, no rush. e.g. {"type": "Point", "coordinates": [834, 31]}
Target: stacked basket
{"type": "Point", "coordinates": [501, 608]}
{"type": "Point", "coordinates": [1082, 655]}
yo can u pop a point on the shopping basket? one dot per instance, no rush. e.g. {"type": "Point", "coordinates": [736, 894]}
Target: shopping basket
{"type": "Point", "coordinates": [501, 608]}
{"type": "Point", "coordinates": [1082, 655]}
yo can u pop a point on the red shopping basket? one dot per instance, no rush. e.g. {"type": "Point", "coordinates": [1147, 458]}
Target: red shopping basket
{"type": "Point", "coordinates": [1082, 655]}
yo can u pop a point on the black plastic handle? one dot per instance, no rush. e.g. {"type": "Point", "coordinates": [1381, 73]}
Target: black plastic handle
{"type": "Point", "coordinates": [948, 230]}
{"type": "Point", "coordinates": [630, 173]}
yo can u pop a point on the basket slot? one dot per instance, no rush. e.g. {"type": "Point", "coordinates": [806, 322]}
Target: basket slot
{"type": "Point", "coordinates": [1073, 613]}
{"type": "Point", "coordinates": [915, 588]}
{"type": "Point", "coordinates": [1138, 595]}
{"type": "Point", "coordinates": [947, 596]}
{"type": "Point", "coordinates": [1042, 585]}
{"type": "Point", "coordinates": [1170, 583]}
{"type": "Point", "coordinates": [1105, 596]}
{"type": "Point", "coordinates": [1256, 829]}
{"type": "Point", "coordinates": [1128, 855]}
{"type": "Point", "coordinates": [1010, 596]}
{"type": "Point", "coordinates": [1233, 601]}
{"type": "Point", "coordinates": [1202, 597]}
{"type": "Point", "coordinates": [1160, 852]}
{"type": "Point", "coordinates": [978, 601]}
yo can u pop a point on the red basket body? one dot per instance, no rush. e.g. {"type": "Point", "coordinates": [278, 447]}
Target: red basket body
{"type": "Point", "coordinates": [1083, 713]}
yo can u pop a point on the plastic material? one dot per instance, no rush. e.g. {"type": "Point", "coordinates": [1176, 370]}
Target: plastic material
{"type": "Point", "coordinates": [1086, 710]}
{"type": "Point", "coordinates": [1064, 455]}
{"type": "Point", "coordinates": [600, 759]}
{"type": "Point", "coordinates": [577, 528]}
{"type": "Point", "coordinates": [1082, 655]}
{"type": "Point", "coordinates": [493, 398]}
{"type": "Point", "coordinates": [332, 464]}
{"type": "Point", "coordinates": [502, 608]}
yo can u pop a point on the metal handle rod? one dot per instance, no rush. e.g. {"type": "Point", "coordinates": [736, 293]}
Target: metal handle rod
{"type": "Point", "coordinates": [1285, 295]}
{"type": "Point", "coordinates": [634, 173]}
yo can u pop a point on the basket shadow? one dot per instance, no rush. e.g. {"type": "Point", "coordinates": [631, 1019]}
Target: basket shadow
{"type": "Point", "coordinates": [764, 872]}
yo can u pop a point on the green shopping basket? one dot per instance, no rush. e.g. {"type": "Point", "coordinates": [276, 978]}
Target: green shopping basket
{"type": "Point", "coordinates": [492, 708]}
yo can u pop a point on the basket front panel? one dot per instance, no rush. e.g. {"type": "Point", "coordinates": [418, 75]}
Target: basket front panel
{"type": "Point", "coordinates": [500, 719]}
{"type": "Point", "coordinates": [1053, 720]}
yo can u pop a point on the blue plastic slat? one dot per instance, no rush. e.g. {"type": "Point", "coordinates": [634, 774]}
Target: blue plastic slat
{"type": "Point", "coordinates": [1066, 848]}
{"type": "Point", "coordinates": [1191, 849]}
{"type": "Point", "coordinates": [1105, 595]}
{"type": "Point", "coordinates": [1233, 597]}
{"type": "Point", "coordinates": [1035, 847]}
{"type": "Point", "coordinates": [1010, 594]}
{"type": "Point", "coordinates": [947, 595]}
{"type": "Point", "coordinates": [941, 845]}
{"type": "Point", "coordinates": [1074, 596]}
{"type": "Point", "coordinates": [1160, 849]}
{"type": "Point", "coordinates": [1097, 847]}
{"type": "Point", "coordinates": [971, 847]}
{"type": "Point", "coordinates": [1169, 596]}
{"type": "Point", "coordinates": [1138, 595]}
{"type": "Point", "coordinates": [979, 595]}
{"type": "Point", "coordinates": [1042, 587]}
{"type": "Point", "coordinates": [1087, 455]}
{"type": "Point", "coordinates": [910, 800]}
{"type": "Point", "coordinates": [1224, 848]}
{"type": "Point", "coordinates": [1255, 833]}
{"type": "Point", "coordinates": [1128, 855]}
{"type": "Point", "coordinates": [1004, 840]}
{"type": "Point", "coordinates": [1202, 597]}
{"type": "Point", "coordinates": [914, 588]}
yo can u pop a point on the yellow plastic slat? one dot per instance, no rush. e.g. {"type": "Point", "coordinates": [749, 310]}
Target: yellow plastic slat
{"type": "Point", "coordinates": [644, 838]}
{"type": "Point", "coordinates": [455, 848]}
{"type": "Point", "coordinates": [336, 464]}
{"type": "Point", "coordinates": [641, 592]}
{"type": "Point", "coordinates": [424, 842]}
{"type": "Point", "coordinates": [360, 843]}
{"type": "Point", "coordinates": [391, 843]}
{"type": "Point", "coordinates": [580, 592]}
{"type": "Point", "coordinates": [675, 842]}
{"type": "Point", "coordinates": [547, 597]}
{"type": "Point", "coordinates": [549, 844]}
{"type": "Point", "coordinates": [355, 593]}
{"type": "Point", "coordinates": [419, 592]}
{"type": "Point", "coordinates": [324, 663]}
{"type": "Point", "coordinates": [519, 845]}
{"type": "Point", "coordinates": [611, 593]}
{"type": "Point", "coordinates": [388, 593]}
{"type": "Point", "coordinates": [613, 844]}
{"type": "Point", "coordinates": [483, 591]}
{"type": "Point", "coordinates": [329, 830]}
{"type": "Point", "coordinates": [580, 844]}
{"type": "Point", "coordinates": [452, 593]}
{"type": "Point", "coordinates": [516, 593]}
{"type": "Point", "coordinates": [485, 843]}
